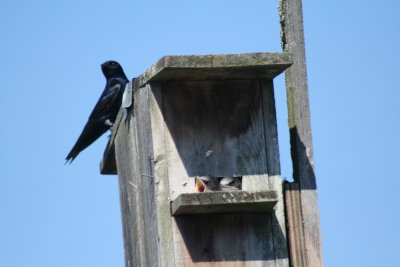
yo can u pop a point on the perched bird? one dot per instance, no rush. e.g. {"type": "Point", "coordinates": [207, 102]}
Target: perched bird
{"type": "Point", "coordinates": [105, 112]}
{"type": "Point", "coordinates": [230, 183]}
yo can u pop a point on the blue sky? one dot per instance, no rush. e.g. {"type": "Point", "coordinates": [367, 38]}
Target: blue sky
{"type": "Point", "coordinates": [69, 215]}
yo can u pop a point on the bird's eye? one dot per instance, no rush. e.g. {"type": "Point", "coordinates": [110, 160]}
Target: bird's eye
{"type": "Point", "coordinates": [113, 64]}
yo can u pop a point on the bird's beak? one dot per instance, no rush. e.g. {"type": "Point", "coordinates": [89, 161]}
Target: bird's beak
{"type": "Point", "coordinates": [200, 186]}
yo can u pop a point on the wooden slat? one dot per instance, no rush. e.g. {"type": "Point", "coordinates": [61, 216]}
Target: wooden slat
{"type": "Point", "coordinates": [216, 67]}
{"type": "Point", "coordinates": [274, 171]}
{"type": "Point", "coordinates": [147, 211]}
{"type": "Point", "coordinates": [300, 128]}
{"type": "Point", "coordinates": [294, 225]}
{"type": "Point", "coordinates": [224, 240]}
{"type": "Point", "coordinates": [224, 202]}
{"type": "Point", "coordinates": [127, 164]}
{"type": "Point", "coordinates": [108, 165]}
{"type": "Point", "coordinates": [135, 171]}
{"type": "Point", "coordinates": [271, 129]}
{"type": "Point", "coordinates": [164, 219]}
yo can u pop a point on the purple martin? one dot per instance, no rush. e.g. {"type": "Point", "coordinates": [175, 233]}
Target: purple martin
{"type": "Point", "coordinates": [105, 112]}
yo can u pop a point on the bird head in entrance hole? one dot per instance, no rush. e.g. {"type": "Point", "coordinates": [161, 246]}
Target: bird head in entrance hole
{"type": "Point", "coordinates": [230, 183]}
{"type": "Point", "coordinates": [210, 183]}
{"type": "Point", "coordinates": [206, 184]}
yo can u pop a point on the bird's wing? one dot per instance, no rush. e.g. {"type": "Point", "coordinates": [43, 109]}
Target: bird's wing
{"type": "Point", "coordinates": [104, 108]}
{"type": "Point", "coordinates": [107, 99]}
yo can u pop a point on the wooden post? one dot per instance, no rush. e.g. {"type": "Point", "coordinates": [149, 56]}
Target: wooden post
{"type": "Point", "coordinates": [292, 36]}
{"type": "Point", "coordinates": [194, 116]}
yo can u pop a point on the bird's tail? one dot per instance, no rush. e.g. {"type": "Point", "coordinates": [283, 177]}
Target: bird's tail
{"type": "Point", "coordinates": [89, 134]}
{"type": "Point", "coordinates": [71, 156]}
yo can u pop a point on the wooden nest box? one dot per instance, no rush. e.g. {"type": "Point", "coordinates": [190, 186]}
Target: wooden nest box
{"type": "Point", "coordinates": [195, 116]}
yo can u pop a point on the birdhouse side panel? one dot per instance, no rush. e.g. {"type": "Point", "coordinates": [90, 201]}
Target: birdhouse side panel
{"type": "Point", "coordinates": [146, 194]}
{"type": "Point", "coordinates": [127, 165]}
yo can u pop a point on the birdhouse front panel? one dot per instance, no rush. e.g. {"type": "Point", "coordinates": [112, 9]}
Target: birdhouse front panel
{"type": "Point", "coordinates": [214, 128]}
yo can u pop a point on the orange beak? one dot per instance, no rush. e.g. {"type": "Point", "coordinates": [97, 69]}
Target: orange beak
{"type": "Point", "coordinates": [199, 185]}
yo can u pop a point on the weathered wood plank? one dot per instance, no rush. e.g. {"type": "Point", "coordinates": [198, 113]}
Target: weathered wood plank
{"type": "Point", "coordinates": [108, 165]}
{"type": "Point", "coordinates": [294, 225]}
{"type": "Point", "coordinates": [274, 172]}
{"type": "Point", "coordinates": [147, 211]}
{"type": "Point", "coordinates": [216, 67]}
{"type": "Point", "coordinates": [271, 128]}
{"type": "Point", "coordinates": [224, 202]}
{"type": "Point", "coordinates": [135, 171]}
{"type": "Point", "coordinates": [224, 240]}
{"type": "Point", "coordinates": [300, 128]}
{"type": "Point", "coordinates": [164, 219]}
{"type": "Point", "coordinates": [127, 165]}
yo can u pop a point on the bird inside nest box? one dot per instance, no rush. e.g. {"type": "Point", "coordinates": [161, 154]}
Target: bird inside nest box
{"type": "Point", "coordinates": [210, 183]}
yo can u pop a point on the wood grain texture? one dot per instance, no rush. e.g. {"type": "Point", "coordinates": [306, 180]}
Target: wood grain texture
{"type": "Point", "coordinates": [164, 219]}
{"type": "Point", "coordinates": [271, 128]}
{"type": "Point", "coordinates": [300, 128]}
{"type": "Point", "coordinates": [127, 164]}
{"type": "Point", "coordinates": [224, 240]}
{"type": "Point", "coordinates": [294, 225]}
{"type": "Point", "coordinates": [226, 118]}
{"type": "Point", "coordinates": [212, 128]}
{"type": "Point", "coordinates": [146, 194]}
{"type": "Point", "coordinates": [135, 168]}
{"type": "Point", "coordinates": [216, 67]}
{"type": "Point", "coordinates": [274, 171]}
{"type": "Point", "coordinates": [224, 202]}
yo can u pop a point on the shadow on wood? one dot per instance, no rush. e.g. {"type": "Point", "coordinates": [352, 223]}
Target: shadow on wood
{"type": "Point", "coordinates": [302, 167]}
{"type": "Point", "coordinates": [216, 126]}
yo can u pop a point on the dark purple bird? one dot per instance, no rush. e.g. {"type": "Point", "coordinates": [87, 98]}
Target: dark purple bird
{"type": "Point", "coordinates": [105, 112]}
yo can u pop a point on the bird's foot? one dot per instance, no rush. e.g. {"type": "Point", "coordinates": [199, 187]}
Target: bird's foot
{"type": "Point", "coordinates": [108, 123]}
